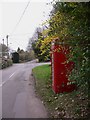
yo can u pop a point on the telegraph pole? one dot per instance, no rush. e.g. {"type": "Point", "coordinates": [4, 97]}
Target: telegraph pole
{"type": "Point", "coordinates": [7, 40]}
{"type": "Point", "coordinates": [2, 48]}
{"type": "Point", "coordinates": [7, 46]}
{"type": "Point", "coordinates": [3, 41]}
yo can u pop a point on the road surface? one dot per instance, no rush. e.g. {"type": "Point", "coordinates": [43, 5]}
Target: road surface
{"type": "Point", "coordinates": [18, 94]}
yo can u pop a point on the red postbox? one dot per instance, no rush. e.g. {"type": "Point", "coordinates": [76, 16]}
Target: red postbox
{"type": "Point", "coordinates": [61, 68]}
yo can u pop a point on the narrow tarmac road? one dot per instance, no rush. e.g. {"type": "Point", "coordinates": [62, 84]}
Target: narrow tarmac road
{"type": "Point", "coordinates": [18, 93]}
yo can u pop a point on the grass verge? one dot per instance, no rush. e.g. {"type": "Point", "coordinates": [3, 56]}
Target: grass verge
{"type": "Point", "coordinates": [63, 105]}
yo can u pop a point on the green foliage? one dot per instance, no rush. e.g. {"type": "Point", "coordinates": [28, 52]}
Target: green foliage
{"type": "Point", "coordinates": [25, 56]}
{"type": "Point", "coordinates": [70, 22]}
{"type": "Point", "coordinates": [29, 55]}
{"type": "Point", "coordinates": [36, 47]}
{"type": "Point", "coordinates": [41, 50]}
{"type": "Point", "coordinates": [3, 49]}
{"type": "Point", "coordinates": [5, 63]}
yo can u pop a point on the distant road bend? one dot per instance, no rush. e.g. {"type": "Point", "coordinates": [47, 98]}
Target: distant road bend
{"type": "Point", "coordinates": [18, 94]}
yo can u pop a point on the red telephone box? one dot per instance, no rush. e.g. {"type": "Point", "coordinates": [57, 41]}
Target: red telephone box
{"type": "Point", "coordinates": [61, 69]}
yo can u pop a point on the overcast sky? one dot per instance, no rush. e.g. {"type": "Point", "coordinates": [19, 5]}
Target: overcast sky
{"type": "Point", "coordinates": [36, 13]}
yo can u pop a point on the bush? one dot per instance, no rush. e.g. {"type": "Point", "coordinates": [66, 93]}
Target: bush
{"type": "Point", "coordinates": [6, 63]}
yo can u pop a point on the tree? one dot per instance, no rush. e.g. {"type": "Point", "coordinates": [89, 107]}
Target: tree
{"type": "Point", "coordinates": [36, 47]}
{"type": "Point", "coordinates": [18, 50]}
{"type": "Point", "coordinates": [70, 22]}
{"type": "Point", "coordinates": [37, 41]}
{"type": "Point", "coordinates": [3, 49]}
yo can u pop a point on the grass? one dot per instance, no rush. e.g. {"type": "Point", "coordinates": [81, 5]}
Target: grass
{"type": "Point", "coordinates": [63, 105]}
{"type": "Point", "coordinates": [43, 82]}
